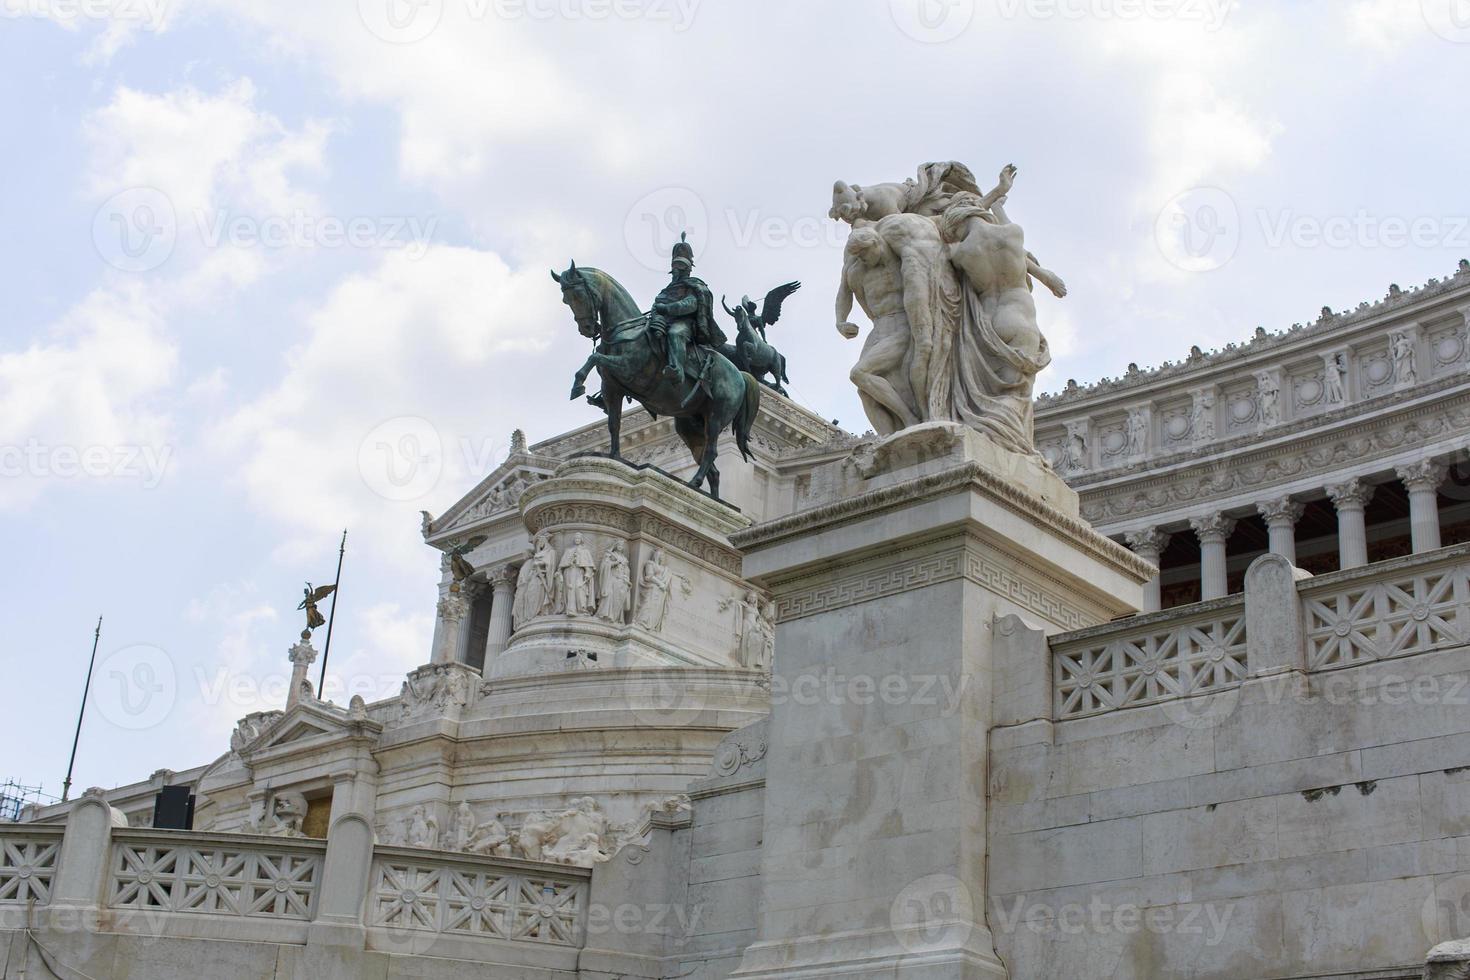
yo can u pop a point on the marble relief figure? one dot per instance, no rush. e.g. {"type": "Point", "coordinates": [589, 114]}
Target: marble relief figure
{"type": "Point", "coordinates": [945, 278]}
{"type": "Point", "coordinates": [536, 584]}
{"type": "Point", "coordinates": [577, 580]}
{"type": "Point", "coordinates": [615, 583]}
{"type": "Point", "coordinates": [655, 583]}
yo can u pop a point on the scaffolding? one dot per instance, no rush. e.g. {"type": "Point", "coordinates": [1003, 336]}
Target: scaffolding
{"type": "Point", "coordinates": [14, 798]}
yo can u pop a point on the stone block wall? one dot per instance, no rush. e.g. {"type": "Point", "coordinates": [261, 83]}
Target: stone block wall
{"type": "Point", "coordinates": [1275, 787]}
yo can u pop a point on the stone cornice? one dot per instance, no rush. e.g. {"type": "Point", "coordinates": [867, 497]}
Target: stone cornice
{"type": "Point", "coordinates": [1197, 369]}
{"type": "Point", "coordinates": [1342, 441]}
{"type": "Point", "coordinates": [969, 474]}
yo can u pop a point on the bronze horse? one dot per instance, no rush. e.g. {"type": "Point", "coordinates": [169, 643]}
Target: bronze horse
{"type": "Point", "coordinates": [631, 366]}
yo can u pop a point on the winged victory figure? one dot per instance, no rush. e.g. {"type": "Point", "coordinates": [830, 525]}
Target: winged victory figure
{"type": "Point", "coordinates": [751, 352]}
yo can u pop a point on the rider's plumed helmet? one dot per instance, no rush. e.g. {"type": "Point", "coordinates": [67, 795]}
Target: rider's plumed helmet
{"type": "Point", "coordinates": [683, 252]}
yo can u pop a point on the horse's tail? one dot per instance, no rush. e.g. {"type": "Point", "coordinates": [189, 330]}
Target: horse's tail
{"type": "Point", "coordinates": [745, 418]}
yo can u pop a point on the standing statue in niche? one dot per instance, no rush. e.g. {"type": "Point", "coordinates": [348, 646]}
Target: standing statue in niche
{"type": "Point", "coordinates": [960, 341]}
{"type": "Point", "coordinates": [577, 582]}
{"type": "Point", "coordinates": [1336, 377]}
{"type": "Point", "coordinates": [615, 582]}
{"type": "Point", "coordinates": [655, 582]}
{"type": "Point", "coordinates": [1405, 367]}
{"type": "Point", "coordinates": [536, 585]}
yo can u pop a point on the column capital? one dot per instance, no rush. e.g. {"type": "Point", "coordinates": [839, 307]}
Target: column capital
{"type": "Point", "coordinates": [453, 607]}
{"type": "Point", "coordinates": [1212, 528]}
{"type": "Point", "coordinates": [1148, 543]}
{"type": "Point", "coordinates": [1425, 475]}
{"type": "Point", "coordinates": [1282, 511]}
{"type": "Point", "coordinates": [502, 578]}
{"type": "Point", "coordinates": [1351, 494]}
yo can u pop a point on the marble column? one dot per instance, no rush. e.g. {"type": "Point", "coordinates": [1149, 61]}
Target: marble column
{"type": "Point", "coordinates": [1350, 498]}
{"type": "Point", "coordinates": [1213, 530]}
{"type": "Point", "coordinates": [1422, 480]}
{"type": "Point", "coordinates": [503, 584]}
{"type": "Point", "coordinates": [1281, 516]}
{"type": "Point", "coordinates": [453, 609]}
{"type": "Point", "coordinates": [1149, 544]}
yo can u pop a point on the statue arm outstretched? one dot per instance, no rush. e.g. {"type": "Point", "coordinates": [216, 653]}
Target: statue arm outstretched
{"type": "Point", "coordinates": [1046, 277]}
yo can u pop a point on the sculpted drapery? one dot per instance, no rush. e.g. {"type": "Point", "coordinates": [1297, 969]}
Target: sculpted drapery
{"type": "Point", "coordinates": [945, 277]}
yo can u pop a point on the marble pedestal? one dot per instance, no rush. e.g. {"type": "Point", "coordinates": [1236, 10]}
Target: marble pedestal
{"type": "Point", "coordinates": [874, 844]}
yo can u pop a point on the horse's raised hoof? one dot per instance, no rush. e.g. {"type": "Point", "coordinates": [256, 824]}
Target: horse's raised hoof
{"type": "Point", "coordinates": [578, 391]}
{"type": "Point", "coordinates": [597, 401]}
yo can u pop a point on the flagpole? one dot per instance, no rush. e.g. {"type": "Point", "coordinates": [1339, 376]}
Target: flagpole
{"type": "Point", "coordinates": [86, 692]}
{"type": "Point", "coordinates": [332, 615]}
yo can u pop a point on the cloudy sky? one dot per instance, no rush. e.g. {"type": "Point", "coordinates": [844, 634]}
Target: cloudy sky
{"type": "Point", "coordinates": [249, 242]}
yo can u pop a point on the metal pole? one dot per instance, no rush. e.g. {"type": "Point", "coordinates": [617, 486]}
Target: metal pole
{"type": "Point", "coordinates": [332, 616]}
{"type": "Point", "coordinates": [86, 692]}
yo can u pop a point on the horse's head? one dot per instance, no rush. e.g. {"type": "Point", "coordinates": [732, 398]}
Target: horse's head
{"type": "Point", "coordinates": [579, 293]}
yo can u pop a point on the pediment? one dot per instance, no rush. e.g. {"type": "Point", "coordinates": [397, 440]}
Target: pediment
{"type": "Point", "coordinates": [497, 494]}
{"type": "Point", "coordinates": [309, 721]}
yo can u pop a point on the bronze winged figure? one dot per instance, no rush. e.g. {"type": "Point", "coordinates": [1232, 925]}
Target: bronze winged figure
{"type": "Point", "coordinates": [751, 352]}
{"type": "Point", "coordinates": [312, 596]}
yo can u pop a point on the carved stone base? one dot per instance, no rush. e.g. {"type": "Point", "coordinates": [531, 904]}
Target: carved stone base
{"type": "Point", "coordinates": [874, 845]}
{"type": "Point", "coordinates": [1449, 961]}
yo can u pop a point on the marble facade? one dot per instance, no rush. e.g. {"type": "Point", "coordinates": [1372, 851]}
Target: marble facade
{"type": "Point", "coordinates": [914, 706]}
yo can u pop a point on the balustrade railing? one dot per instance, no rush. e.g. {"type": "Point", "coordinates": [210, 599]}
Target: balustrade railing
{"type": "Point", "coordinates": [219, 874]}
{"type": "Point", "coordinates": [1159, 658]}
{"type": "Point", "coordinates": [455, 895]}
{"type": "Point", "coordinates": [1394, 608]}
{"type": "Point", "coordinates": [29, 856]}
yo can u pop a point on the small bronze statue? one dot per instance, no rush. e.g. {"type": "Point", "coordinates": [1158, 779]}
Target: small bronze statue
{"type": "Point", "coordinates": [751, 352]}
{"type": "Point", "coordinates": [314, 618]}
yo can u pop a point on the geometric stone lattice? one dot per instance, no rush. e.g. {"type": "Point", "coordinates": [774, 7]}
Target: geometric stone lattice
{"type": "Point", "coordinates": [484, 902]}
{"type": "Point", "coordinates": [27, 867]}
{"type": "Point", "coordinates": [234, 880]}
{"type": "Point", "coordinates": [1149, 666]}
{"type": "Point", "coordinates": [1379, 620]}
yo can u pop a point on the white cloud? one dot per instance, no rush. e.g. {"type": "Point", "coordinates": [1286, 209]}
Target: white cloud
{"type": "Point", "coordinates": [94, 386]}
{"type": "Point", "coordinates": [421, 339]}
